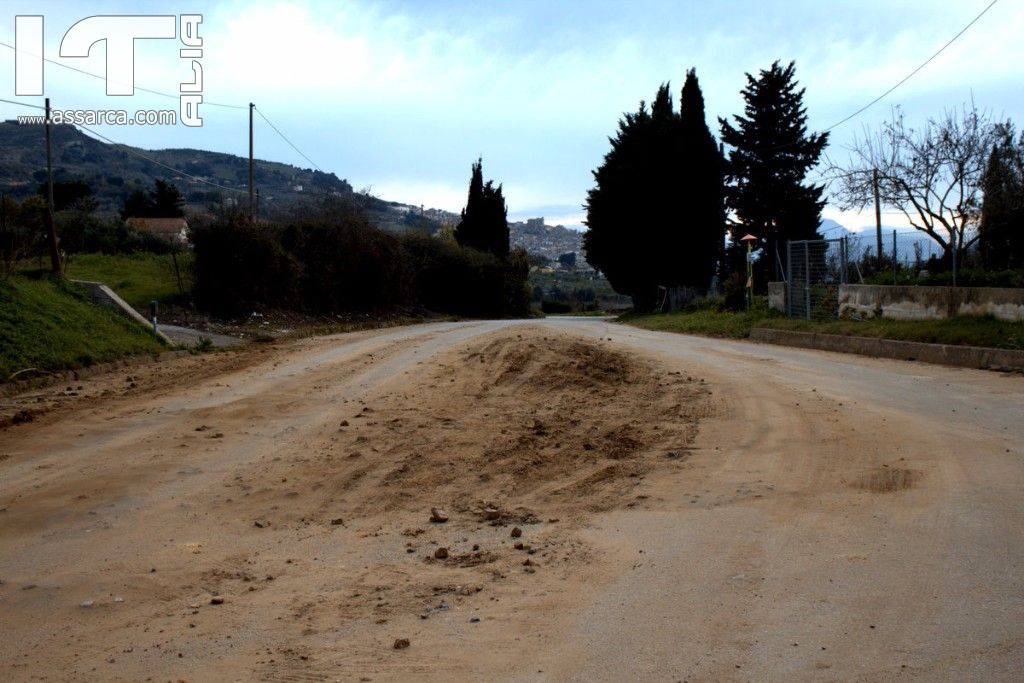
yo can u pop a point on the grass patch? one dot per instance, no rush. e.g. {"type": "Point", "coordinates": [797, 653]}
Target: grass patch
{"type": "Point", "coordinates": [52, 325]}
{"type": "Point", "coordinates": [706, 321]}
{"type": "Point", "coordinates": [961, 330]}
{"type": "Point", "coordinates": [137, 278]}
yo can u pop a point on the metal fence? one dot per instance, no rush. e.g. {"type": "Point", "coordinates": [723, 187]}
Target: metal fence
{"type": "Point", "coordinates": [814, 271]}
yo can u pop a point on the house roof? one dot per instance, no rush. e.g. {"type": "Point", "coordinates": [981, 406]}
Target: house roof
{"type": "Point", "coordinates": [161, 226]}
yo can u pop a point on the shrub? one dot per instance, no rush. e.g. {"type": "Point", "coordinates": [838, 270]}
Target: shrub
{"type": "Point", "coordinates": [453, 279]}
{"type": "Point", "coordinates": [239, 265]}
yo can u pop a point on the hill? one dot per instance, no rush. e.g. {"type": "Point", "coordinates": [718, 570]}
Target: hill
{"type": "Point", "coordinates": [115, 171]}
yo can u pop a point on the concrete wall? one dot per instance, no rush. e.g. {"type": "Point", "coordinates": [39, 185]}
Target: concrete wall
{"type": "Point", "coordinates": [929, 303]}
{"type": "Point", "coordinates": [1007, 360]}
{"type": "Point", "coordinates": [777, 296]}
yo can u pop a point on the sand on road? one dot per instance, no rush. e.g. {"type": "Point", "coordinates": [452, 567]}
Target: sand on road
{"type": "Point", "coordinates": [621, 504]}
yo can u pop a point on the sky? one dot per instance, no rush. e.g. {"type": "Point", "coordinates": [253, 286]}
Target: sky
{"type": "Point", "coordinates": [401, 97]}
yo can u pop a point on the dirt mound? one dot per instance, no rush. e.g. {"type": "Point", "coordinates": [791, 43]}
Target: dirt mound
{"type": "Point", "coordinates": [518, 429]}
{"type": "Point", "coordinates": [889, 480]}
{"type": "Point", "coordinates": [534, 423]}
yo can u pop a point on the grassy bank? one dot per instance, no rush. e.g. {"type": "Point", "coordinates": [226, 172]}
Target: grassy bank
{"type": "Point", "coordinates": [962, 330]}
{"type": "Point", "coordinates": [53, 326]}
{"type": "Point", "coordinates": [137, 278]}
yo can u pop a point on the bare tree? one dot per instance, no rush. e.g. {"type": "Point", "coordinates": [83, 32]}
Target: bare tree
{"type": "Point", "coordinates": [932, 175]}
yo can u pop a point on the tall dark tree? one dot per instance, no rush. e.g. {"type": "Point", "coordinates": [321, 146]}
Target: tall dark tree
{"type": "Point", "coordinates": [484, 224]}
{"type": "Point", "coordinates": [655, 215]}
{"type": "Point", "coordinates": [703, 218]}
{"type": "Point", "coordinates": [167, 200]}
{"type": "Point", "coordinates": [1001, 231]}
{"type": "Point", "coordinates": [71, 194]}
{"type": "Point", "coordinates": [162, 201]}
{"type": "Point", "coordinates": [771, 153]}
{"type": "Point", "coordinates": [620, 235]}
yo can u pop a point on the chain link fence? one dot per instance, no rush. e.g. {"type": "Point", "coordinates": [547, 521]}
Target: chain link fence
{"type": "Point", "coordinates": [814, 270]}
{"type": "Point", "coordinates": [902, 250]}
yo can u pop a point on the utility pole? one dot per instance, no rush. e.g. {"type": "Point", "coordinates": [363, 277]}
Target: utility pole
{"type": "Point", "coordinates": [252, 200]}
{"type": "Point", "coordinates": [878, 215]}
{"type": "Point", "coordinates": [55, 264]}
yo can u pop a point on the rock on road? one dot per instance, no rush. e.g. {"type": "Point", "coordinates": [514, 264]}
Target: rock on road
{"type": "Point", "coordinates": [828, 517]}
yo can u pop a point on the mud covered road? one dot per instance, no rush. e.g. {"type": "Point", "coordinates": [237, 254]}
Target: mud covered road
{"type": "Point", "coordinates": [620, 504]}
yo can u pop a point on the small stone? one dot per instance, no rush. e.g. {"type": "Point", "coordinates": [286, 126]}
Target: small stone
{"type": "Point", "coordinates": [438, 516]}
{"type": "Point", "coordinates": [441, 553]}
{"type": "Point", "coordinates": [516, 532]}
{"type": "Point", "coordinates": [474, 620]}
{"type": "Point", "coordinates": [344, 423]}
{"type": "Point", "coordinates": [401, 643]}
{"type": "Point", "coordinates": [518, 545]}
{"type": "Point", "coordinates": [491, 514]}
{"type": "Point", "coordinates": [217, 600]}
{"type": "Point", "coordinates": [337, 521]}
{"type": "Point", "coordinates": [261, 523]}
{"type": "Point", "coordinates": [86, 603]}
{"type": "Point", "coordinates": [476, 546]}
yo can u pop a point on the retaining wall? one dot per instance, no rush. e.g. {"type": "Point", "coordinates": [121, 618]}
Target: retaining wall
{"type": "Point", "coordinates": [940, 354]}
{"type": "Point", "coordinates": [929, 303]}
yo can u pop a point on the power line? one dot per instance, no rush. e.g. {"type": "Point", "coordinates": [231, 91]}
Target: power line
{"type": "Point", "coordinates": [915, 71]}
{"type": "Point", "coordinates": [263, 116]}
{"type": "Point", "coordinates": [104, 78]}
{"type": "Point", "coordinates": [170, 96]}
{"type": "Point", "coordinates": [11, 101]}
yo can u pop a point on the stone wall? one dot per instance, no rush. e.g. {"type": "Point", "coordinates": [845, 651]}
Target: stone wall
{"type": "Point", "coordinates": [929, 303]}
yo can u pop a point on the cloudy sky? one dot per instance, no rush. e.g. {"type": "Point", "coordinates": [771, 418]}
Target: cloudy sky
{"type": "Point", "coordinates": [402, 96]}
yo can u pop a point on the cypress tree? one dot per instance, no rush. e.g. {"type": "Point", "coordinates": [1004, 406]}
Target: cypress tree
{"type": "Point", "coordinates": [769, 160]}
{"type": "Point", "coordinates": [655, 215]}
{"type": "Point", "coordinates": [701, 167]}
{"type": "Point", "coordinates": [618, 240]}
{"type": "Point", "coordinates": [484, 224]}
{"type": "Point", "coordinates": [1001, 239]}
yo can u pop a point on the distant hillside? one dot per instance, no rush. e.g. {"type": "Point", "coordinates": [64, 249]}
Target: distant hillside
{"type": "Point", "coordinates": [113, 172]}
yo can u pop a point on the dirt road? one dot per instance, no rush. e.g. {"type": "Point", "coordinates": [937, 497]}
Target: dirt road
{"type": "Point", "coordinates": [620, 505]}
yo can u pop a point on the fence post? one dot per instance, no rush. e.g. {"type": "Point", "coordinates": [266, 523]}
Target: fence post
{"type": "Point", "coordinates": [843, 250]}
{"type": "Point", "coordinates": [789, 280]}
{"type": "Point", "coordinates": [894, 257]}
{"type": "Point", "coordinates": [807, 279]}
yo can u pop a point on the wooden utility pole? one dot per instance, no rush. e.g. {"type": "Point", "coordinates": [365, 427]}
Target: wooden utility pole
{"type": "Point", "coordinates": [252, 199]}
{"type": "Point", "coordinates": [55, 264]}
{"type": "Point", "coordinates": [878, 215]}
